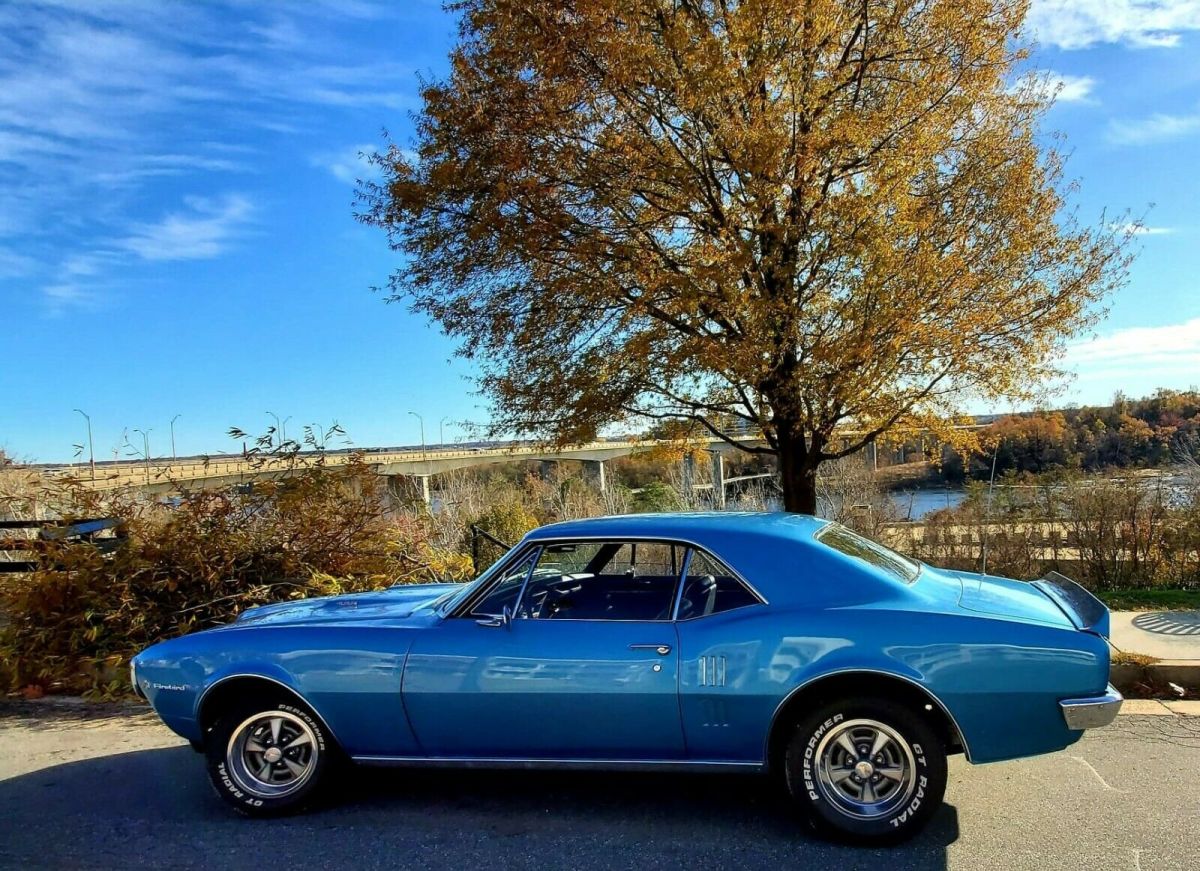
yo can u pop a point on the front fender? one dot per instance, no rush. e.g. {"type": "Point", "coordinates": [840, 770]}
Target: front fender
{"type": "Point", "coordinates": [350, 677]}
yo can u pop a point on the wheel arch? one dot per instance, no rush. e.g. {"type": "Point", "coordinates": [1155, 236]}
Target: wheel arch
{"type": "Point", "coordinates": [220, 693]}
{"type": "Point", "coordinates": [865, 683]}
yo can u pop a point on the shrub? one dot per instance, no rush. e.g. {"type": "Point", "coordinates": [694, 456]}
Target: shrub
{"type": "Point", "coordinates": [74, 624]}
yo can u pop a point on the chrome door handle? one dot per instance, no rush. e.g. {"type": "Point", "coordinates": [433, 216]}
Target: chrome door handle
{"type": "Point", "coordinates": [660, 649]}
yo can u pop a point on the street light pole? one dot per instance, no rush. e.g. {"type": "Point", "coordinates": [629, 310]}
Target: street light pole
{"type": "Point", "coordinates": [421, 421]}
{"type": "Point", "coordinates": [280, 426]}
{"type": "Point", "coordinates": [441, 432]}
{"type": "Point", "coordinates": [146, 449]}
{"type": "Point", "coordinates": [425, 457]}
{"type": "Point", "coordinates": [175, 418]}
{"type": "Point", "coordinates": [91, 453]}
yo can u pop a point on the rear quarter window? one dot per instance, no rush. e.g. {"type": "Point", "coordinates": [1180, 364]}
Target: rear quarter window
{"type": "Point", "coordinates": [852, 544]}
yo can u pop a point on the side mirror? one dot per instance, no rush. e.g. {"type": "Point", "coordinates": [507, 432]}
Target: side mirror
{"type": "Point", "coordinates": [504, 618]}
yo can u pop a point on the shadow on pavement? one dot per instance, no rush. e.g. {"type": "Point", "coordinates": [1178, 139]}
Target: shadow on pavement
{"type": "Point", "coordinates": [152, 808]}
{"type": "Point", "coordinates": [1169, 622]}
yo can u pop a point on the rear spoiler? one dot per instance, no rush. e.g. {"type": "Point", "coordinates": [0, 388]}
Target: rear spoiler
{"type": "Point", "coordinates": [1081, 607]}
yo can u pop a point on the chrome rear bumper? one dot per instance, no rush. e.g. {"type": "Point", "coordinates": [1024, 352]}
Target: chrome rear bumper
{"type": "Point", "coordinates": [1094, 712]}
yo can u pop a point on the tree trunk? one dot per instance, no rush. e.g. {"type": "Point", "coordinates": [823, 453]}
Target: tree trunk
{"type": "Point", "coordinates": [798, 475]}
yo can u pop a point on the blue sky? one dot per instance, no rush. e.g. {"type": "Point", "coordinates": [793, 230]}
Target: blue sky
{"type": "Point", "coordinates": [177, 238]}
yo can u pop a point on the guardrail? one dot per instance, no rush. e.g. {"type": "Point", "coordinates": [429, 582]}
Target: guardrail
{"type": "Point", "coordinates": [51, 531]}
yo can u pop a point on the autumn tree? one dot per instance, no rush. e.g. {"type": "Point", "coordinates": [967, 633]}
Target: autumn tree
{"type": "Point", "coordinates": [822, 219]}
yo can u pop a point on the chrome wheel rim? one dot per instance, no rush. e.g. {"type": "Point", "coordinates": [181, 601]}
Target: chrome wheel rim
{"type": "Point", "coordinates": [273, 754]}
{"type": "Point", "coordinates": [865, 769]}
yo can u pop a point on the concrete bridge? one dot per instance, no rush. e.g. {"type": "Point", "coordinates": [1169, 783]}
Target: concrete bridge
{"type": "Point", "coordinates": [165, 475]}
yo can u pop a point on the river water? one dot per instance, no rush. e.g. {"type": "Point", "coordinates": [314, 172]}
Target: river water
{"type": "Point", "coordinates": [915, 504]}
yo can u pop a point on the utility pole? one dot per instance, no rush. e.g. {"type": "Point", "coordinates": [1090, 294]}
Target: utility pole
{"type": "Point", "coordinates": [175, 418]}
{"type": "Point", "coordinates": [91, 453]}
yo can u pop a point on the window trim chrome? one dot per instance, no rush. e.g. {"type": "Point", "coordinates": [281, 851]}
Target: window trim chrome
{"type": "Point", "coordinates": [467, 607]}
{"type": "Point", "coordinates": [683, 573]}
{"type": "Point", "coordinates": [691, 546]}
{"type": "Point", "coordinates": [527, 545]}
{"type": "Point", "coordinates": [733, 574]}
{"type": "Point", "coordinates": [614, 539]}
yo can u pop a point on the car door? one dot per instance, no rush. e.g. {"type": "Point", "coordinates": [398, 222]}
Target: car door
{"type": "Point", "coordinates": [586, 666]}
{"type": "Point", "coordinates": [722, 698]}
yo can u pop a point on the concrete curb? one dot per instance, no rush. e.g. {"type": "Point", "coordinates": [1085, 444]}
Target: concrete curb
{"type": "Point", "coordinates": [1184, 672]}
{"type": "Point", "coordinates": [1156, 708]}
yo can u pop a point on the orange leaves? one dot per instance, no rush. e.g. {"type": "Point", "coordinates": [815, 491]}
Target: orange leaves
{"type": "Point", "coordinates": [816, 215]}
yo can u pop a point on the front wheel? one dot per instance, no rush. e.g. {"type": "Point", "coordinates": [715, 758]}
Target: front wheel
{"type": "Point", "coordinates": [267, 756]}
{"type": "Point", "coordinates": [866, 771]}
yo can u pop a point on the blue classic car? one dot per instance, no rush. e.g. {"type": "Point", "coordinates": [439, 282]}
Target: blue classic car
{"type": "Point", "coordinates": [734, 642]}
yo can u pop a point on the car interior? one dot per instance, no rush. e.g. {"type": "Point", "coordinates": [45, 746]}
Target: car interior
{"type": "Point", "coordinates": [620, 581]}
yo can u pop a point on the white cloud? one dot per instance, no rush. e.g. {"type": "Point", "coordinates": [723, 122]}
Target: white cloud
{"type": "Point", "coordinates": [67, 295]}
{"type": "Point", "coordinates": [1072, 89]}
{"type": "Point", "coordinates": [100, 100]}
{"type": "Point", "coordinates": [347, 165]}
{"type": "Point", "coordinates": [1074, 24]}
{"type": "Point", "coordinates": [1062, 87]}
{"type": "Point", "coordinates": [1142, 229]}
{"type": "Point", "coordinates": [1172, 352]}
{"type": "Point", "coordinates": [204, 229]}
{"type": "Point", "coordinates": [14, 264]}
{"type": "Point", "coordinates": [1151, 129]}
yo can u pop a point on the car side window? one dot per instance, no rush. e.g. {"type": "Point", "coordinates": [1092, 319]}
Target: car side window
{"type": "Point", "coordinates": [505, 591]}
{"type": "Point", "coordinates": [603, 580]}
{"type": "Point", "coordinates": [710, 588]}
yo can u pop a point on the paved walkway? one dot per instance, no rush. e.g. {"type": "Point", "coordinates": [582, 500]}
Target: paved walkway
{"type": "Point", "coordinates": [1163, 634]}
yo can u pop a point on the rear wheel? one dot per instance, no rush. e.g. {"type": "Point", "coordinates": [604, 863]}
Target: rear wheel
{"type": "Point", "coordinates": [866, 771]}
{"type": "Point", "coordinates": [267, 756]}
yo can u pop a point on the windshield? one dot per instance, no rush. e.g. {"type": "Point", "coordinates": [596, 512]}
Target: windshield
{"type": "Point", "coordinates": [873, 553]}
{"type": "Point", "coordinates": [451, 600]}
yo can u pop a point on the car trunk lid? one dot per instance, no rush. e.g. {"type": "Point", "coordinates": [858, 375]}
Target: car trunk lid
{"type": "Point", "coordinates": [1053, 600]}
{"type": "Point", "coordinates": [1084, 610]}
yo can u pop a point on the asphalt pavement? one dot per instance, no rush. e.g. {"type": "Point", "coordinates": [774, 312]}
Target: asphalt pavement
{"type": "Point", "coordinates": [86, 788]}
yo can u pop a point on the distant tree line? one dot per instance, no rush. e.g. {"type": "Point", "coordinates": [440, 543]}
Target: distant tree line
{"type": "Point", "coordinates": [1131, 433]}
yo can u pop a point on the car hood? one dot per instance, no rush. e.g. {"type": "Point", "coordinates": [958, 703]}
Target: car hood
{"type": "Point", "coordinates": [392, 603]}
{"type": "Point", "coordinates": [1001, 597]}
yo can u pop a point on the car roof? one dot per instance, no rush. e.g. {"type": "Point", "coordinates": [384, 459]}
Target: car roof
{"type": "Point", "coordinates": [699, 526]}
{"type": "Point", "coordinates": [775, 552]}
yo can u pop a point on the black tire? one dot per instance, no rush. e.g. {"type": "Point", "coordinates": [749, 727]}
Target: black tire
{"type": "Point", "coordinates": [302, 744]}
{"type": "Point", "coordinates": [905, 780]}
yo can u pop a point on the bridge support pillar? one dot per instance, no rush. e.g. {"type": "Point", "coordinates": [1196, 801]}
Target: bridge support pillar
{"type": "Point", "coordinates": [401, 491]}
{"type": "Point", "coordinates": [593, 470]}
{"type": "Point", "coordinates": [718, 479]}
{"type": "Point", "coordinates": [689, 478]}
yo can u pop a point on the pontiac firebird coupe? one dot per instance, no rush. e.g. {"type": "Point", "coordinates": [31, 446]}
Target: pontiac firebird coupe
{"type": "Point", "coordinates": [733, 642]}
